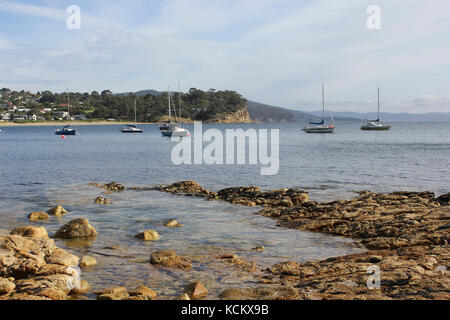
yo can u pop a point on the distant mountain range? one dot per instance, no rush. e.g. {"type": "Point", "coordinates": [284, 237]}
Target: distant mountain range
{"type": "Point", "coordinates": [261, 112]}
{"type": "Point", "coordinates": [394, 117]}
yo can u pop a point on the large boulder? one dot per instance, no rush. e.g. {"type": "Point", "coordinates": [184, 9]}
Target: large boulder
{"type": "Point", "coordinates": [31, 232]}
{"type": "Point", "coordinates": [78, 228]}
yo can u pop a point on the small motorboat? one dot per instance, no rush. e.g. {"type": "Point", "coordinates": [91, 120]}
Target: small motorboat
{"type": "Point", "coordinates": [67, 131]}
{"type": "Point", "coordinates": [130, 128]}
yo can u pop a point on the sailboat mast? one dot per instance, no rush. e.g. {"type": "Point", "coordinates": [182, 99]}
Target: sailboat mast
{"type": "Point", "coordinates": [135, 116]}
{"type": "Point", "coordinates": [68, 100]}
{"type": "Point", "coordinates": [378, 104]}
{"type": "Point", "coordinates": [168, 97]}
{"type": "Point", "coordinates": [323, 104]}
{"type": "Point", "coordinates": [179, 101]}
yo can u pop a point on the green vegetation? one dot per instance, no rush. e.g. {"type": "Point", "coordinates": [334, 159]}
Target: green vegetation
{"type": "Point", "coordinates": [151, 107]}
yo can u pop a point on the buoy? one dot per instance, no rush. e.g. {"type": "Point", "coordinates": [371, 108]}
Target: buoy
{"type": "Point", "coordinates": [63, 136]}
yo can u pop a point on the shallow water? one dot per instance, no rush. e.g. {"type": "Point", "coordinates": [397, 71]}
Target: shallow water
{"type": "Point", "coordinates": [39, 170]}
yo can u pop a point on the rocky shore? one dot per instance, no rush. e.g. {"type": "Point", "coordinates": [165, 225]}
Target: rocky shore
{"type": "Point", "coordinates": [406, 235]}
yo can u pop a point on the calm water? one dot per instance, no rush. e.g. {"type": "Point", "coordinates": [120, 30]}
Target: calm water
{"type": "Point", "coordinates": [39, 170]}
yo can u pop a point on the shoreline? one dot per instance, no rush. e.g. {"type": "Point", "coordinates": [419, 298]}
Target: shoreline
{"type": "Point", "coordinates": [405, 234]}
{"type": "Point", "coordinates": [74, 123]}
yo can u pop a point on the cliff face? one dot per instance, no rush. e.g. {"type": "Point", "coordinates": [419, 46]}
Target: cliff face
{"type": "Point", "coordinates": [240, 116]}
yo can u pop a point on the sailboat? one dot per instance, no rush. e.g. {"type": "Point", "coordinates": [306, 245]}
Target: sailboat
{"type": "Point", "coordinates": [131, 128]}
{"type": "Point", "coordinates": [171, 129]}
{"type": "Point", "coordinates": [375, 124]}
{"type": "Point", "coordinates": [67, 130]}
{"type": "Point", "coordinates": [320, 127]}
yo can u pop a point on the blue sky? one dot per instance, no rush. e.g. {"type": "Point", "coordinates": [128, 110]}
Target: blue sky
{"type": "Point", "coordinates": [275, 52]}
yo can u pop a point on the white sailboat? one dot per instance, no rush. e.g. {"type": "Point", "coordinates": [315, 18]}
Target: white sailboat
{"type": "Point", "coordinates": [375, 124]}
{"type": "Point", "coordinates": [320, 127]}
{"type": "Point", "coordinates": [171, 129]}
{"type": "Point", "coordinates": [131, 128]}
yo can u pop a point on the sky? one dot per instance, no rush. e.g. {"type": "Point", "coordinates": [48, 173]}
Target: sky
{"type": "Point", "coordinates": [277, 52]}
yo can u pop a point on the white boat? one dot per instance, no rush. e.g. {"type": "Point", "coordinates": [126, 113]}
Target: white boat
{"type": "Point", "coordinates": [131, 128]}
{"type": "Point", "coordinates": [375, 124]}
{"type": "Point", "coordinates": [320, 127]}
{"type": "Point", "coordinates": [170, 129]}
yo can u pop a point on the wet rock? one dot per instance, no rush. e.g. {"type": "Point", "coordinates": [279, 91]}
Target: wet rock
{"type": "Point", "coordinates": [148, 235]}
{"type": "Point", "coordinates": [62, 257]}
{"type": "Point", "coordinates": [260, 293]}
{"type": "Point", "coordinates": [196, 290]}
{"type": "Point", "coordinates": [183, 296]}
{"type": "Point", "coordinates": [78, 228]}
{"type": "Point", "coordinates": [6, 286]}
{"type": "Point", "coordinates": [84, 288]}
{"type": "Point", "coordinates": [113, 293]}
{"type": "Point", "coordinates": [31, 232]}
{"type": "Point", "coordinates": [189, 187]}
{"type": "Point", "coordinates": [168, 258]}
{"type": "Point", "coordinates": [173, 223]}
{"type": "Point", "coordinates": [144, 292]}
{"type": "Point", "coordinates": [57, 211]}
{"type": "Point", "coordinates": [37, 215]}
{"type": "Point", "coordinates": [258, 248]}
{"type": "Point", "coordinates": [240, 263]}
{"type": "Point", "coordinates": [102, 200]}
{"type": "Point", "coordinates": [114, 186]}
{"type": "Point", "coordinates": [444, 199]}
{"type": "Point", "coordinates": [88, 261]}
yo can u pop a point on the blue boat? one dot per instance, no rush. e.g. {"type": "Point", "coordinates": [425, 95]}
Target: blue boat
{"type": "Point", "coordinates": [66, 130]}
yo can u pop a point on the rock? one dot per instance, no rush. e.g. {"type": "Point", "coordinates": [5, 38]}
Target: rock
{"type": "Point", "coordinates": [173, 223]}
{"type": "Point", "coordinates": [113, 293]}
{"type": "Point", "coordinates": [37, 216]}
{"type": "Point", "coordinates": [22, 256]}
{"type": "Point", "coordinates": [57, 211]}
{"type": "Point", "coordinates": [62, 257]}
{"type": "Point", "coordinates": [6, 286]}
{"type": "Point", "coordinates": [144, 292]}
{"type": "Point", "coordinates": [88, 261]}
{"type": "Point", "coordinates": [260, 293]}
{"type": "Point", "coordinates": [102, 200]}
{"type": "Point", "coordinates": [188, 187]}
{"type": "Point", "coordinates": [114, 186]}
{"type": "Point", "coordinates": [444, 199]}
{"type": "Point", "coordinates": [148, 235]}
{"type": "Point", "coordinates": [258, 248]}
{"type": "Point", "coordinates": [78, 228]}
{"type": "Point", "coordinates": [168, 258]}
{"type": "Point", "coordinates": [183, 296]}
{"type": "Point", "coordinates": [31, 232]}
{"type": "Point", "coordinates": [196, 290]}
{"type": "Point", "coordinates": [84, 288]}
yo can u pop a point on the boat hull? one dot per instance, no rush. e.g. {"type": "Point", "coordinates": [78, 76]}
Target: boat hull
{"type": "Point", "coordinates": [318, 130]}
{"type": "Point", "coordinates": [379, 128]}
{"type": "Point", "coordinates": [167, 133]}
{"type": "Point", "coordinates": [66, 132]}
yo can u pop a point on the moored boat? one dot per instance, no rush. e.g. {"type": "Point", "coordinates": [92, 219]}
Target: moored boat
{"type": "Point", "coordinates": [320, 127]}
{"type": "Point", "coordinates": [375, 124]}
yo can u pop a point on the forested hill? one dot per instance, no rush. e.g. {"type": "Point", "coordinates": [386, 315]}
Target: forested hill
{"type": "Point", "coordinates": [151, 105]}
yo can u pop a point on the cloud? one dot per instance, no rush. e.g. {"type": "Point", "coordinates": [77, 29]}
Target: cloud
{"type": "Point", "coordinates": [276, 52]}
